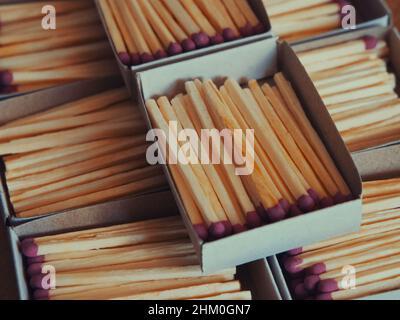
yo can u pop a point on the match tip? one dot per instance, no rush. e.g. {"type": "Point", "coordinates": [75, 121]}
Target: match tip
{"type": "Point", "coordinates": [229, 34]}
{"type": "Point", "coordinates": [371, 42]}
{"type": "Point", "coordinates": [294, 211]}
{"type": "Point", "coordinates": [217, 230]}
{"type": "Point", "coordinates": [146, 57]}
{"type": "Point", "coordinates": [295, 252]}
{"type": "Point", "coordinates": [324, 296]}
{"type": "Point", "coordinates": [310, 282]}
{"type": "Point", "coordinates": [285, 205]}
{"type": "Point", "coordinates": [253, 220]}
{"type": "Point", "coordinates": [6, 78]}
{"type": "Point", "coordinates": [135, 59]}
{"type": "Point", "coordinates": [326, 202]}
{"type": "Point", "coordinates": [260, 28]}
{"type": "Point", "coordinates": [291, 264]}
{"type": "Point", "coordinates": [327, 286]}
{"type": "Point", "coordinates": [188, 45]}
{"type": "Point", "coordinates": [275, 214]}
{"type": "Point", "coordinates": [201, 39]}
{"type": "Point", "coordinates": [228, 228]}
{"type": "Point", "coordinates": [217, 39]}
{"type": "Point", "coordinates": [29, 248]}
{"type": "Point", "coordinates": [201, 231]}
{"type": "Point", "coordinates": [314, 195]}
{"type": "Point", "coordinates": [300, 292]}
{"type": "Point", "coordinates": [239, 228]}
{"type": "Point", "coordinates": [38, 259]}
{"type": "Point", "coordinates": [41, 294]}
{"type": "Point", "coordinates": [317, 269]}
{"type": "Point", "coordinates": [339, 198]}
{"type": "Point", "coordinates": [247, 30]}
{"type": "Point", "coordinates": [174, 49]}
{"type": "Point", "coordinates": [36, 281]}
{"type": "Point", "coordinates": [125, 58]}
{"type": "Point", "coordinates": [306, 203]}
{"type": "Point", "coordinates": [160, 54]}
{"type": "Point", "coordinates": [34, 268]}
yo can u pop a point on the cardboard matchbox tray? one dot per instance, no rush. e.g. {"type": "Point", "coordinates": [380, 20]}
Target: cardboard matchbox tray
{"type": "Point", "coordinates": [255, 276]}
{"type": "Point", "coordinates": [32, 103]}
{"type": "Point", "coordinates": [379, 164]}
{"type": "Point", "coordinates": [390, 35]}
{"type": "Point", "coordinates": [370, 13]}
{"type": "Point", "coordinates": [129, 73]}
{"type": "Point", "coordinates": [257, 61]}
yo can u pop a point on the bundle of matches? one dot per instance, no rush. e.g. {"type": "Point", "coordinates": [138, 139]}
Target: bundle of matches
{"type": "Point", "coordinates": [147, 30]}
{"type": "Point", "coordinates": [148, 260]}
{"type": "Point", "coordinates": [77, 154]}
{"type": "Point", "coordinates": [33, 58]}
{"type": "Point", "coordinates": [293, 20]}
{"type": "Point", "coordinates": [322, 271]}
{"type": "Point", "coordinates": [359, 92]}
{"type": "Point", "coordinates": [293, 171]}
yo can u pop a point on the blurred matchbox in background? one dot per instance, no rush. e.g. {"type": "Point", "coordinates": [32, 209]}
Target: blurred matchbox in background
{"type": "Point", "coordinates": [304, 21]}
{"type": "Point", "coordinates": [255, 276]}
{"type": "Point", "coordinates": [129, 72]}
{"type": "Point", "coordinates": [267, 57]}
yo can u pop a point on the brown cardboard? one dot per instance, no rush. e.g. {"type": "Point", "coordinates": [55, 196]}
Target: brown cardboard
{"type": "Point", "coordinates": [129, 73]}
{"type": "Point", "coordinates": [370, 13]}
{"type": "Point", "coordinates": [266, 58]}
{"type": "Point", "coordinates": [255, 276]}
{"type": "Point", "coordinates": [42, 100]}
{"type": "Point", "coordinates": [391, 35]}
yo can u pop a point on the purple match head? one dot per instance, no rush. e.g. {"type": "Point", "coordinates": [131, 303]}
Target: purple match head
{"type": "Point", "coordinates": [316, 269]}
{"type": "Point", "coordinates": [146, 57]}
{"type": "Point", "coordinates": [314, 195]}
{"type": "Point", "coordinates": [36, 281]}
{"type": "Point", "coordinates": [306, 203]}
{"type": "Point", "coordinates": [310, 282]}
{"type": "Point", "coordinates": [239, 228]}
{"type": "Point", "coordinates": [38, 259]}
{"type": "Point", "coordinates": [229, 34]}
{"type": "Point", "coordinates": [327, 286]}
{"type": "Point", "coordinates": [291, 264]}
{"type": "Point", "coordinates": [201, 39]}
{"type": "Point", "coordinates": [326, 202]}
{"type": "Point", "coordinates": [29, 248]}
{"type": "Point", "coordinates": [41, 294]}
{"type": "Point", "coordinates": [260, 28]}
{"type": "Point", "coordinates": [6, 78]}
{"type": "Point", "coordinates": [253, 220]}
{"type": "Point", "coordinates": [371, 42]}
{"type": "Point", "coordinates": [35, 268]}
{"type": "Point", "coordinates": [228, 228]}
{"type": "Point", "coordinates": [339, 198]}
{"type": "Point", "coordinates": [275, 214]}
{"type": "Point", "coordinates": [285, 205]}
{"type": "Point", "coordinates": [125, 58]}
{"type": "Point", "coordinates": [294, 211]}
{"type": "Point", "coordinates": [174, 49]}
{"type": "Point", "coordinates": [324, 296]}
{"type": "Point", "coordinates": [160, 54]}
{"type": "Point", "coordinates": [201, 231]}
{"type": "Point", "coordinates": [135, 59]}
{"type": "Point", "coordinates": [247, 30]}
{"type": "Point", "coordinates": [188, 45]}
{"type": "Point", "coordinates": [295, 252]}
{"type": "Point", "coordinates": [294, 283]}
{"type": "Point", "coordinates": [217, 39]}
{"type": "Point", "coordinates": [300, 292]}
{"type": "Point", "coordinates": [217, 230]}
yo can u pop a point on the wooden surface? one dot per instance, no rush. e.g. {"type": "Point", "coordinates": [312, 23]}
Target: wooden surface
{"type": "Point", "coordinates": [395, 5]}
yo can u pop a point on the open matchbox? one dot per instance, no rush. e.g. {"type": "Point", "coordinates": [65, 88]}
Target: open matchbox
{"type": "Point", "coordinates": [129, 73]}
{"type": "Point", "coordinates": [39, 101]}
{"type": "Point", "coordinates": [257, 61]}
{"type": "Point", "coordinates": [390, 35]}
{"type": "Point", "coordinates": [255, 276]}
